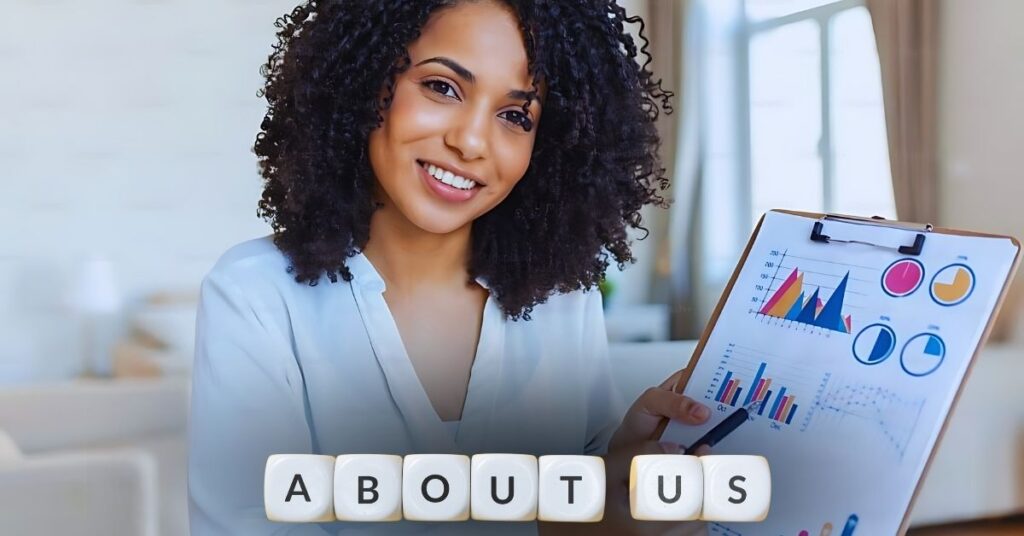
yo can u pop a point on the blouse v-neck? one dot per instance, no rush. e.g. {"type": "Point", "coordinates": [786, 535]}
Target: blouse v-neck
{"type": "Point", "coordinates": [428, 431]}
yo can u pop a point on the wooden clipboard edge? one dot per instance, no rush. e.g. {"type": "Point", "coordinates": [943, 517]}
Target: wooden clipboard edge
{"type": "Point", "coordinates": [905, 525]}
{"type": "Point", "coordinates": [699, 349]}
{"type": "Point", "coordinates": [687, 372]}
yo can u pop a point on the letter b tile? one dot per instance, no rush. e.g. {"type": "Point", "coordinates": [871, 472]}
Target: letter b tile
{"type": "Point", "coordinates": [736, 488]}
{"type": "Point", "coordinates": [666, 487]}
{"type": "Point", "coordinates": [368, 487]}
{"type": "Point", "coordinates": [504, 487]}
{"type": "Point", "coordinates": [571, 488]}
{"type": "Point", "coordinates": [299, 488]}
{"type": "Point", "coordinates": [435, 487]}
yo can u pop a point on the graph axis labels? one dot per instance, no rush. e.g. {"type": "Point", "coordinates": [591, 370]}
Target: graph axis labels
{"type": "Point", "coordinates": [887, 283]}
{"type": "Point", "coordinates": [934, 346]}
{"type": "Point", "coordinates": [961, 299]}
{"type": "Point", "coordinates": [873, 358]}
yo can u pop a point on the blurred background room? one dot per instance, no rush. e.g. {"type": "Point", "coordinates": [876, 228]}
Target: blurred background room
{"type": "Point", "coordinates": [126, 169]}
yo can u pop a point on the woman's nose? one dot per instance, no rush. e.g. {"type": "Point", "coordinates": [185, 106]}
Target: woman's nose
{"type": "Point", "coordinates": [469, 135]}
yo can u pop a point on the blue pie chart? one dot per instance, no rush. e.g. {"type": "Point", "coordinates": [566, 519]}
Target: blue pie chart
{"type": "Point", "coordinates": [874, 344]}
{"type": "Point", "coordinates": [922, 354]}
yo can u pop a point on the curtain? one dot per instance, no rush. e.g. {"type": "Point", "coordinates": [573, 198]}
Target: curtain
{"type": "Point", "coordinates": [673, 28]}
{"type": "Point", "coordinates": [907, 36]}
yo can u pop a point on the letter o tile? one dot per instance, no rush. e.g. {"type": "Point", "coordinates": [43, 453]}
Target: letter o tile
{"type": "Point", "coordinates": [435, 487]}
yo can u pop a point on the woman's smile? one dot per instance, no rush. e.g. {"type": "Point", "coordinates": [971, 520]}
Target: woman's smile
{"type": "Point", "coordinates": [447, 185]}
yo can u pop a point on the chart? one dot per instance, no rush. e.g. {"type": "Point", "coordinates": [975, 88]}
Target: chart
{"type": "Point", "coordinates": [874, 344]}
{"type": "Point", "coordinates": [812, 293]}
{"type": "Point", "coordinates": [743, 378]}
{"type": "Point", "coordinates": [952, 284]}
{"type": "Point", "coordinates": [923, 354]}
{"type": "Point", "coordinates": [892, 415]}
{"type": "Point", "coordinates": [903, 277]}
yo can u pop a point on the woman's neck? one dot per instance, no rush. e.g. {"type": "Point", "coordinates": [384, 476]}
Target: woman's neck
{"type": "Point", "coordinates": [407, 256]}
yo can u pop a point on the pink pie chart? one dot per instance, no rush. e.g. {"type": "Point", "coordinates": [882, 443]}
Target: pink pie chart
{"type": "Point", "coordinates": [902, 277]}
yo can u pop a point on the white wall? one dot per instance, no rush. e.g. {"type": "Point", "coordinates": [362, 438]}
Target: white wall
{"type": "Point", "coordinates": [981, 127]}
{"type": "Point", "coordinates": [981, 118]}
{"type": "Point", "coordinates": [126, 129]}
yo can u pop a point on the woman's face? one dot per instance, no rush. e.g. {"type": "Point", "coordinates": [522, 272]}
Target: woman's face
{"type": "Point", "coordinates": [458, 108]}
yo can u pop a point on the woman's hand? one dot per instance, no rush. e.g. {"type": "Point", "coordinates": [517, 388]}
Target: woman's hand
{"type": "Point", "coordinates": [633, 438]}
{"type": "Point", "coordinates": [653, 405]}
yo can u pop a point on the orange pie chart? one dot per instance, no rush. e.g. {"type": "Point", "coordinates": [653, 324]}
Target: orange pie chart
{"type": "Point", "coordinates": [952, 284]}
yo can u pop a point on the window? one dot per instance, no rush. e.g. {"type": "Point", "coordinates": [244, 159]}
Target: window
{"type": "Point", "coordinates": [790, 97]}
{"type": "Point", "coordinates": [817, 126]}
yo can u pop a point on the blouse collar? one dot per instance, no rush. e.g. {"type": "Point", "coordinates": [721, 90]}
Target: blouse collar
{"type": "Point", "coordinates": [367, 276]}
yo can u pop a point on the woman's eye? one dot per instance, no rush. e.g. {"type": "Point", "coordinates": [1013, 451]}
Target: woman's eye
{"type": "Point", "coordinates": [441, 87]}
{"type": "Point", "coordinates": [521, 119]}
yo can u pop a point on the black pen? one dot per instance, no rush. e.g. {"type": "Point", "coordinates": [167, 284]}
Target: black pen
{"type": "Point", "coordinates": [723, 428]}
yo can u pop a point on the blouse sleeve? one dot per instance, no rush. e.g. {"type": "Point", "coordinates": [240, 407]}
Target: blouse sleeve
{"type": "Point", "coordinates": [247, 403]}
{"type": "Point", "coordinates": [604, 405]}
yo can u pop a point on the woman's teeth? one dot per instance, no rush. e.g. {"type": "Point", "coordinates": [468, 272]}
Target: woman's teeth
{"type": "Point", "coordinates": [449, 178]}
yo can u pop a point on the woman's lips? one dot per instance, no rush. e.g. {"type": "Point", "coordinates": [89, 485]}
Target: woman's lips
{"type": "Point", "coordinates": [444, 191]}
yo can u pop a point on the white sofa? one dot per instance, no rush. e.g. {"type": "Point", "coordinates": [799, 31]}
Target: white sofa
{"type": "Point", "coordinates": [94, 457]}
{"type": "Point", "coordinates": [110, 492]}
{"type": "Point", "coordinates": [133, 433]}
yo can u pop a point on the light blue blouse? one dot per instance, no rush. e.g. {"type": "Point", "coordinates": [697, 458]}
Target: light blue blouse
{"type": "Point", "coordinates": [284, 367]}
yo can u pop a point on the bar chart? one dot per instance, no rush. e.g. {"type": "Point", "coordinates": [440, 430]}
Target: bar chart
{"type": "Point", "coordinates": [744, 377]}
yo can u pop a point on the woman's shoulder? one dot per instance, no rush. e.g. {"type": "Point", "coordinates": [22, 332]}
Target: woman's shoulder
{"type": "Point", "coordinates": [581, 302]}
{"type": "Point", "coordinates": [256, 263]}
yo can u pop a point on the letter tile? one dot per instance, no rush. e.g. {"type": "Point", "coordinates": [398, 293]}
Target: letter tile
{"type": "Point", "coordinates": [571, 488]}
{"type": "Point", "coordinates": [736, 488]}
{"type": "Point", "coordinates": [435, 487]}
{"type": "Point", "coordinates": [504, 487]}
{"type": "Point", "coordinates": [299, 488]}
{"type": "Point", "coordinates": [368, 487]}
{"type": "Point", "coordinates": [666, 487]}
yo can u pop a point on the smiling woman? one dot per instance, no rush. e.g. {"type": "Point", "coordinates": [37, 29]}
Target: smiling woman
{"type": "Point", "coordinates": [468, 169]}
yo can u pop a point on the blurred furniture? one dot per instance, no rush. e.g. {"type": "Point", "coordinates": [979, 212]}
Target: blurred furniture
{"type": "Point", "coordinates": [109, 492]}
{"type": "Point", "coordinates": [103, 457]}
{"type": "Point", "coordinates": [645, 322]}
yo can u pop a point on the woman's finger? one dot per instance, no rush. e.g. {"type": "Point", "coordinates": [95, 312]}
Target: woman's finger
{"type": "Point", "coordinates": [656, 403]}
{"type": "Point", "coordinates": [670, 382]}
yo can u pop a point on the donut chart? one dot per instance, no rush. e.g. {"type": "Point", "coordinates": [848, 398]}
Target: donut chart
{"type": "Point", "coordinates": [874, 344]}
{"type": "Point", "coordinates": [922, 354]}
{"type": "Point", "coordinates": [952, 284]}
{"type": "Point", "coordinates": [903, 277]}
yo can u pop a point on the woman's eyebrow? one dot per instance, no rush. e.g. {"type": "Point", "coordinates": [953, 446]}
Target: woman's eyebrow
{"type": "Point", "coordinates": [464, 73]}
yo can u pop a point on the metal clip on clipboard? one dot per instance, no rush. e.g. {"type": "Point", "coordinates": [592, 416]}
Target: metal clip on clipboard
{"type": "Point", "coordinates": [817, 234]}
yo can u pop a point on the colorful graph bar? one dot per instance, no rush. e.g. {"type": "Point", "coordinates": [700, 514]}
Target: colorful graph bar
{"type": "Point", "coordinates": [783, 406]}
{"type": "Point", "coordinates": [756, 384]}
{"type": "Point", "coordinates": [788, 303]}
{"type": "Point", "coordinates": [730, 390]}
{"type": "Point", "coordinates": [720, 395]}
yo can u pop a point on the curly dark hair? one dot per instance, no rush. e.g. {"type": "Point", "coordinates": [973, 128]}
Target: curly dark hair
{"type": "Point", "coordinates": [594, 163]}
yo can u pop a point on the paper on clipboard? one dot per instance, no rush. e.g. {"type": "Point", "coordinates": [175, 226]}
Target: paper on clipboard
{"type": "Point", "coordinates": [857, 353]}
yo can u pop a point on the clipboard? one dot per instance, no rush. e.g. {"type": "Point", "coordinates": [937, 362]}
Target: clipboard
{"type": "Point", "coordinates": [822, 228]}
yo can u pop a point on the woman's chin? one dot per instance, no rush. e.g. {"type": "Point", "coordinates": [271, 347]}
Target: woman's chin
{"type": "Point", "coordinates": [440, 223]}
